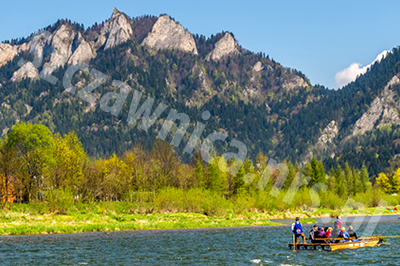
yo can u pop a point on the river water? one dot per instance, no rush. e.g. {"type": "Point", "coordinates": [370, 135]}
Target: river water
{"type": "Point", "coordinates": [224, 246]}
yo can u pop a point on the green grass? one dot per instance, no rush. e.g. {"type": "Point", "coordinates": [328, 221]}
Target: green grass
{"type": "Point", "coordinates": [25, 219]}
{"type": "Point", "coordinates": [36, 218]}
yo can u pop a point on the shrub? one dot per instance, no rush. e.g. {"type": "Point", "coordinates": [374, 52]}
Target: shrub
{"type": "Point", "coordinates": [264, 201]}
{"type": "Point", "coordinates": [59, 200]}
{"type": "Point", "coordinates": [243, 203]}
{"type": "Point", "coordinates": [193, 200]}
{"type": "Point", "coordinates": [331, 200]}
{"type": "Point", "coordinates": [214, 203]}
{"type": "Point", "coordinates": [169, 199]}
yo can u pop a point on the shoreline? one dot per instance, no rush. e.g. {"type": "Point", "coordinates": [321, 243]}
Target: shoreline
{"type": "Point", "coordinates": [343, 215]}
{"type": "Point", "coordinates": [13, 223]}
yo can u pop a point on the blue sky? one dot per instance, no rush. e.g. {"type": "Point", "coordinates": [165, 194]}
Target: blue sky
{"type": "Point", "coordinates": [319, 38]}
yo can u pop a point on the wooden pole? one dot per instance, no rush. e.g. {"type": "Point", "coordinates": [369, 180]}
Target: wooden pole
{"type": "Point", "coordinates": [294, 242]}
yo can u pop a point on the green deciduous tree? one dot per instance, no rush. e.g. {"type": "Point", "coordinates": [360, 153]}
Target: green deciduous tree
{"type": "Point", "coordinates": [396, 181]}
{"type": "Point", "coordinates": [383, 181]}
{"type": "Point", "coordinates": [34, 146]}
{"type": "Point", "coordinates": [71, 162]}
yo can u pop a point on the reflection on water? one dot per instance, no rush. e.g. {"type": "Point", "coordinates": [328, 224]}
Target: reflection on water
{"type": "Point", "coordinates": [231, 246]}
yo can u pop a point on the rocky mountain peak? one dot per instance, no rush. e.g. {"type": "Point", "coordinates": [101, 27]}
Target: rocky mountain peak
{"type": "Point", "coordinates": [116, 13]}
{"type": "Point", "coordinates": [61, 43]}
{"type": "Point", "coordinates": [168, 34]}
{"type": "Point", "coordinates": [82, 52]}
{"type": "Point", "coordinates": [227, 45]}
{"type": "Point", "coordinates": [115, 31]}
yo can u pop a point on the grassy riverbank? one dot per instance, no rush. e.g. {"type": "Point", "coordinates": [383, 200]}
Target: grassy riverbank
{"type": "Point", "coordinates": [25, 219]}
{"type": "Point", "coordinates": [34, 218]}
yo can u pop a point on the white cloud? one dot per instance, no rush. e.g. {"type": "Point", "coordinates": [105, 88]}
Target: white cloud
{"type": "Point", "coordinates": [350, 74]}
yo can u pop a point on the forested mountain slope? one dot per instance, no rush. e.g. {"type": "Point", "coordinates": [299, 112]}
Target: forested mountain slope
{"type": "Point", "coordinates": [270, 108]}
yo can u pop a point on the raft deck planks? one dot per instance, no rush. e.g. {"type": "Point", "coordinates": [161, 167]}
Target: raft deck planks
{"type": "Point", "coordinates": [364, 242]}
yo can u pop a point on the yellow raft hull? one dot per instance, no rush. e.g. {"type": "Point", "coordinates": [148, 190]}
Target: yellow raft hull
{"type": "Point", "coordinates": [365, 242]}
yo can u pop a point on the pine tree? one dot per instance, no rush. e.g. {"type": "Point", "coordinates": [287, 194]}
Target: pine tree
{"type": "Point", "coordinates": [290, 177]}
{"type": "Point", "coordinates": [364, 179]}
{"type": "Point", "coordinates": [239, 179]}
{"type": "Point", "coordinates": [332, 181]}
{"type": "Point", "coordinates": [216, 180]}
{"type": "Point", "coordinates": [316, 171]}
{"type": "Point", "coordinates": [199, 171]}
{"type": "Point", "coordinates": [341, 188]}
{"type": "Point", "coordinates": [348, 178]}
{"type": "Point", "coordinates": [355, 181]}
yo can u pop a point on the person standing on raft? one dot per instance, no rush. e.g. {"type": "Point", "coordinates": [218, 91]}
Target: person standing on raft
{"type": "Point", "coordinates": [298, 231]}
{"type": "Point", "coordinates": [338, 223]}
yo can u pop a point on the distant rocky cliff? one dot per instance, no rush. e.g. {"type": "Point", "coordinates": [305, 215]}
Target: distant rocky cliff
{"type": "Point", "coordinates": [383, 111]}
{"type": "Point", "coordinates": [224, 47]}
{"type": "Point", "coordinates": [66, 46]}
{"type": "Point", "coordinates": [115, 31]}
{"type": "Point", "coordinates": [167, 34]}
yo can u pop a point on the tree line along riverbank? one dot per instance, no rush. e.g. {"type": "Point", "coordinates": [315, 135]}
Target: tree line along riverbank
{"type": "Point", "coordinates": [58, 188]}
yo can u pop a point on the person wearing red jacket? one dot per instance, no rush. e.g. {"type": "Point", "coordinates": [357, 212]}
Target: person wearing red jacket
{"type": "Point", "coordinates": [328, 232]}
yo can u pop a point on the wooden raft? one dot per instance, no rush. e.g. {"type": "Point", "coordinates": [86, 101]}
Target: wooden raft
{"type": "Point", "coordinates": [324, 245]}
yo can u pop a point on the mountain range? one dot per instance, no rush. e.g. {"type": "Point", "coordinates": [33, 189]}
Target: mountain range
{"type": "Point", "coordinates": [272, 109]}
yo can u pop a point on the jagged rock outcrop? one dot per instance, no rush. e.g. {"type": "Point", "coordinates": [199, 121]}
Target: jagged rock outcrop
{"type": "Point", "coordinates": [201, 75]}
{"type": "Point", "coordinates": [295, 82]}
{"type": "Point", "coordinates": [62, 49]}
{"type": "Point", "coordinates": [369, 118]}
{"type": "Point", "coordinates": [5, 131]}
{"type": "Point", "coordinates": [7, 52]}
{"type": "Point", "coordinates": [82, 52]}
{"type": "Point", "coordinates": [115, 31]}
{"type": "Point", "coordinates": [325, 144]}
{"type": "Point", "coordinates": [64, 46]}
{"type": "Point", "coordinates": [11, 111]}
{"type": "Point", "coordinates": [389, 116]}
{"type": "Point", "coordinates": [26, 71]}
{"type": "Point", "coordinates": [28, 109]}
{"type": "Point", "coordinates": [38, 42]}
{"type": "Point", "coordinates": [224, 47]}
{"type": "Point", "coordinates": [258, 67]}
{"type": "Point", "coordinates": [381, 108]}
{"type": "Point", "coordinates": [203, 90]}
{"type": "Point", "coordinates": [168, 34]}
{"type": "Point", "coordinates": [24, 47]}
{"type": "Point", "coordinates": [328, 135]}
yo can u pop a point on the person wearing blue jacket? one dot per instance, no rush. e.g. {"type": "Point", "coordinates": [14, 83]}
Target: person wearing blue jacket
{"type": "Point", "coordinates": [338, 223]}
{"type": "Point", "coordinates": [344, 234]}
{"type": "Point", "coordinates": [298, 231]}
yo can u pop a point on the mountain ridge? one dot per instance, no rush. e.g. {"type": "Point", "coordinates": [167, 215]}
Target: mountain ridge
{"type": "Point", "coordinates": [272, 109]}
